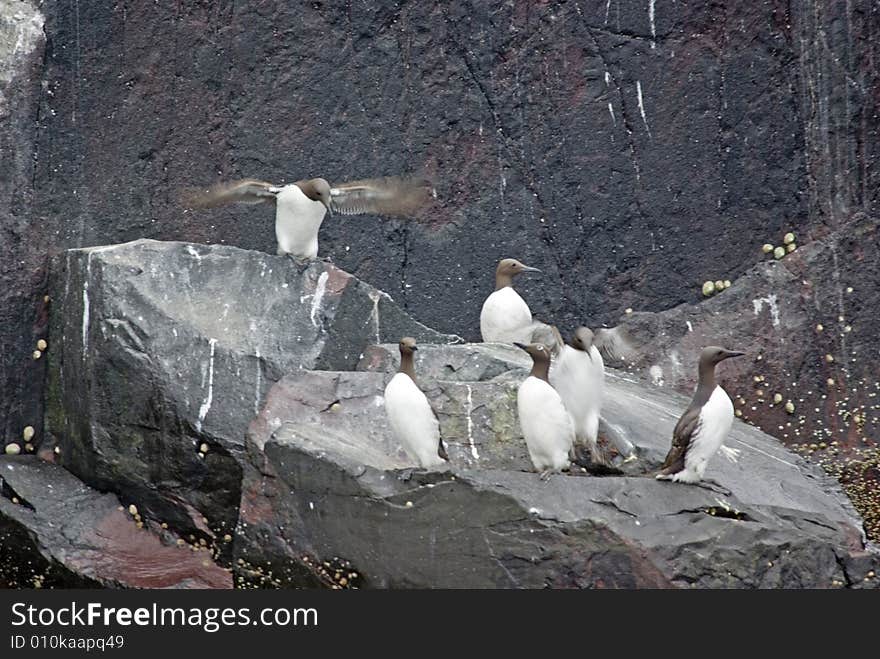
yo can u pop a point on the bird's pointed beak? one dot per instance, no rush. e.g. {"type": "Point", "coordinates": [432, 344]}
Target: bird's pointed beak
{"type": "Point", "coordinates": [521, 345]}
{"type": "Point", "coordinates": [414, 348]}
{"type": "Point", "coordinates": [527, 268]}
{"type": "Point", "coordinates": [732, 353]}
{"type": "Point", "coordinates": [329, 207]}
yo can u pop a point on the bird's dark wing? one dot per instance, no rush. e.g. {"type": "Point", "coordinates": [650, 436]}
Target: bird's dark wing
{"type": "Point", "coordinates": [615, 344]}
{"type": "Point", "coordinates": [247, 191]}
{"type": "Point", "coordinates": [685, 430]}
{"type": "Point", "coordinates": [390, 195]}
{"type": "Point", "coordinates": [441, 451]}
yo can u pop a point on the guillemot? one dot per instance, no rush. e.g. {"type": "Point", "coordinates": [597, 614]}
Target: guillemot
{"type": "Point", "coordinates": [300, 207]}
{"type": "Point", "coordinates": [505, 316]}
{"type": "Point", "coordinates": [546, 424]}
{"type": "Point", "coordinates": [410, 415]}
{"type": "Point", "coordinates": [579, 377]}
{"type": "Point", "coordinates": [701, 430]}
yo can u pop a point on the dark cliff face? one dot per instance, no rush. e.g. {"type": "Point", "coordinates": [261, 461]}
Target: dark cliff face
{"type": "Point", "coordinates": [631, 150]}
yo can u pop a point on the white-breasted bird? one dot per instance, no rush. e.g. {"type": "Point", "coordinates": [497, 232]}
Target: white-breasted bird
{"type": "Point", "coordinates": [410, 415]}
{"type": "Point", "coordinates": [546, 424]}
{"type": "Point", "coordinates": [505, 317]}
{"type": "Point", "coordinates": [702, 429]}
{"type": "Point", "coordinates": [300, 207]}
{"type": "Point", "coordinates": [579, 377]}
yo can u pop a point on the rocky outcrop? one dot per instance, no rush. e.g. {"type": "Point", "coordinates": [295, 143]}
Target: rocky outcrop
{"type": "Point", "coordinates": [57, 533]}
{"type": "Point", "coordinates": [808, 325]}
{"type": "Point", "coordinates": [235, 399]}
{"type": "Point", "coordinates": [161, 354]}
{"type": "Point", "coordinates": [329, 497]}
{"type": "Point", "coordinates": [23, 243]}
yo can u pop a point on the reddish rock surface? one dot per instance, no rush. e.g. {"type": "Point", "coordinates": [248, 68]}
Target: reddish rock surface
{"type": "Point", "coordinates": [57, 532]}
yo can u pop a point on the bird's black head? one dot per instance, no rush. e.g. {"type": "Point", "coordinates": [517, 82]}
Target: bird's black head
{"type": "Point", "coordinates": [407, 345]}
{"type": "Point", "coordinates": [712, 355]}
{"type": "Point", "coordinates": [317, 189]}
{"type": "Point", "coordinates": [512, 267]}
{"type": "Point", "coordinates": [583, 339]}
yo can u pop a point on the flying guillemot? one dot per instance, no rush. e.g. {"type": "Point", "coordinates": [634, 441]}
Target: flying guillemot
{"type": "Point", "coordinates": [300, 207]}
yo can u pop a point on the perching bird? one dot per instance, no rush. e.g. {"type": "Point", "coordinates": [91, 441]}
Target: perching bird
{"type": "Point", "coordinates": [505, 317]}
{"type": "Point", "coordinates": [412, 420]}
{"type": "Point", "coordinates": [300, 207]}
{"type": "Point", "coordinates": [546, 424]}
{"type": "Point", "coordinates": [579, 377]}
{"type": "Point", "coordinates": [701, 430]}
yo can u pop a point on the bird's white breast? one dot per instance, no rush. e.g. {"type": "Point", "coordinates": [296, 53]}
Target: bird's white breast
{"type": "Point", "coordinates": [506, 317]}
{"type": "Point", "coordinates": [297, 221]}
{"type": "Point", "coordinates": [716, 418]}
{"type": "Point", "coordinates": [546, 425]}
{"type": "Point", "coordinates": [412, 420]}
{"type": "Point", "coordinates": [580, 380]}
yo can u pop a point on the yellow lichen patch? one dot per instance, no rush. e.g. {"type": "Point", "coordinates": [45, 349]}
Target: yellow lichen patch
{"type": "Point", "coordinates": [37, 354]}
{"type": "Point", "coordinates": [13, 449]}
{"type": "Point", "coordinates": [767, 248]}
{"type": "Point", "coordinates": [42, 345]}
{"type": "Point", "coordinates": [708, 288]}
{"type": "Point", "coordinates": [132, 510]}
{"type": "Point", "coordinates": [28, 433]}
{"type": "Point", "coordinates": [779, 252]}
{"type": "Point", "coordinates": [788, 239]}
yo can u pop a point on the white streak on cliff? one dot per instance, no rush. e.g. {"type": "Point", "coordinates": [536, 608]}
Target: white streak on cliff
{"type": "Point", "coordinates": [209, 398]}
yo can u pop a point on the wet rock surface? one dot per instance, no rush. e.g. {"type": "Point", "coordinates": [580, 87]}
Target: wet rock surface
{"type": "Point", "coordinates": [163, 352]}
{"type": "Point", "coordinates": [235, 399]}
{"type": "Point", "coordinates": [58, 533]}
{"type": "Point", "coordinates": [326, 483]}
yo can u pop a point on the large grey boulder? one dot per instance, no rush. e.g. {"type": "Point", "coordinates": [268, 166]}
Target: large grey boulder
{"type": "Point", "coordinates": [329, 497]}
{"type": "Point", "coordinates": [236, 399]}
{"type": "Point", "coordinates": [56, 532]}
{"type": "Point", "coordinates": [161, 354]}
